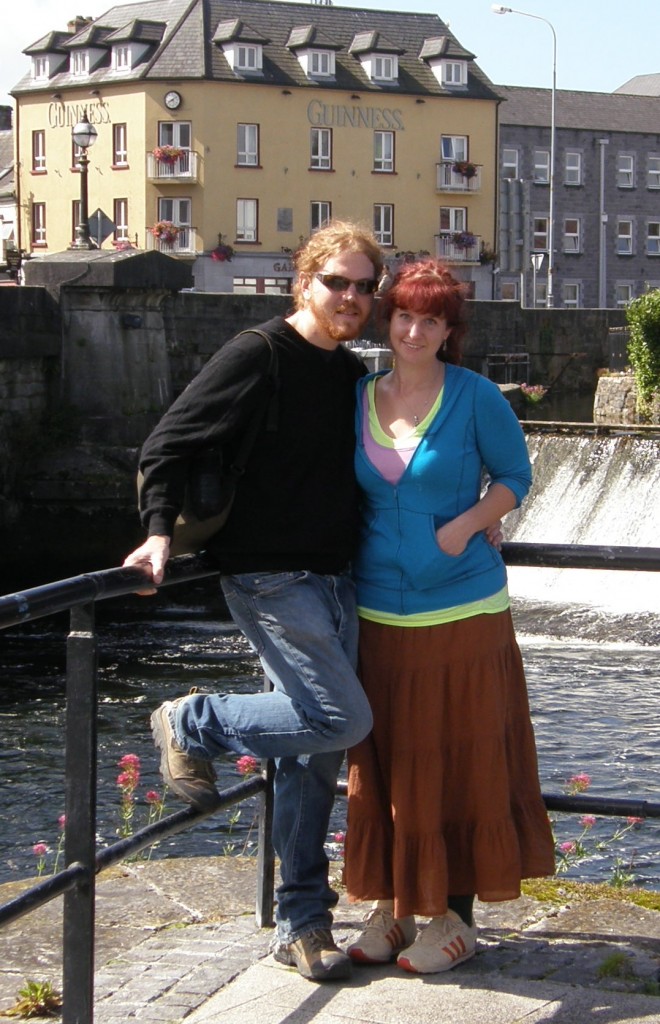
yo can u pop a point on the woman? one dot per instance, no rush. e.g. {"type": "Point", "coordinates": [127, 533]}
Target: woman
{"type": "Point", "coordinates": [444, 799]}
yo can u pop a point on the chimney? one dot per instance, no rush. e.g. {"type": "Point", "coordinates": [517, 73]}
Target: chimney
{"type": "Point", "coordinates": [78, 23]}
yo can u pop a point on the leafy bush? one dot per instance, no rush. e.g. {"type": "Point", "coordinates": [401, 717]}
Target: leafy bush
{"type": "Point", "coordinates": [643, 316]}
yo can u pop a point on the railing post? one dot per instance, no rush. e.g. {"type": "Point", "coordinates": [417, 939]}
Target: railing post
{"type": "Point", "coordinates": [80, 836]}
{"type": "Point", "coordinates": [266, 854]}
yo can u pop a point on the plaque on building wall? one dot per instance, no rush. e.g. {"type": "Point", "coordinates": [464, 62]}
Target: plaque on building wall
{"type": "Point", "coordinates": [285, 218]}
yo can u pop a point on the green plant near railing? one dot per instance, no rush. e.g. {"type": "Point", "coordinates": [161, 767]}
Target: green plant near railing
{"type": "Point", "coordinates": [643, 317]}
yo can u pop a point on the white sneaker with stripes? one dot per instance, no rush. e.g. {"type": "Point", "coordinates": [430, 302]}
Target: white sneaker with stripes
{"type": "Point", "coordinates": [383, 937]}
{"type": "Point", "coordinates": [445, 942]}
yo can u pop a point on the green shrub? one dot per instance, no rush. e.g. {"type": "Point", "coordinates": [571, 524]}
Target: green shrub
{"type": "Point", "coordinates": [643, 316]}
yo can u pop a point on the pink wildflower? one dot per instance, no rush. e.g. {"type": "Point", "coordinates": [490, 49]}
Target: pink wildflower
{"type": "Point", "coordinates": [152, 797]}
{"type": "Point", "coordinates": [40, 849]}
{"type": "Point", "coordinates": [588, 821]}
{"type": "Point", "coordinates": [247, 765]}
{"type": "Point", "coordinates": [339, 837]}
{"type": "Point", "coordinates": [126, 780]}
{"type": "Point", "coordinates": [61, 821]}
{"type": "Point", "coordinates": [129, 761]}
{"type": "Point", "coordinates": [579, 783]}
{"type": "Point", "coordinates": [567, 847]}
{"type": "Point", "coordinates": [635, 821]}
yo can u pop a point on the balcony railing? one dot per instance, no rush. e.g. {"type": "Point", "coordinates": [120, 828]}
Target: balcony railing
{"type": "Point", "coordinates": [466, 251]}
{"type": "Point", "coordinates": [449, 179]}
{"type": "Point", "coordinates": [184, 244]}
{"type": "Point", "coordinates": [184, 168]}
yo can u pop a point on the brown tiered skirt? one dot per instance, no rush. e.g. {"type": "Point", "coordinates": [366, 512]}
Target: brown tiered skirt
{"type": "Point", "coordinates": [444, 796]}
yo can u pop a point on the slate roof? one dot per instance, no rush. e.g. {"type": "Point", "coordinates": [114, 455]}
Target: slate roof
{"type": "Point", "coordinates": [6, 161]}
{"type": "Point", "coordinates": [641, 85]}
{"type": "Point", "coordinates": [600, 111]}
{"type": "Point", "coordinates": [187, 52]}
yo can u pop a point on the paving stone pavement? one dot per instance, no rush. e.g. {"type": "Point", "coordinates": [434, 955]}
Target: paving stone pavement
{"type": "Point", "coordinates": [177, 941]}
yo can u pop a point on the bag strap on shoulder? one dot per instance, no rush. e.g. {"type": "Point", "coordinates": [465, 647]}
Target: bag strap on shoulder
{"type": "Point", "coordinates": [270, 412]}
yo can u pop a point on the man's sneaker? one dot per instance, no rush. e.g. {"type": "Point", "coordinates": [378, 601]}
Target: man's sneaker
{"type": "Point", "coordinates": [445, 942]}
{"type": "Point", "coordinates": [191, 778]}
{"type": "Point", "coordinates": [383, 937]}
{"type": "Point", "coordinates": [315, 955]}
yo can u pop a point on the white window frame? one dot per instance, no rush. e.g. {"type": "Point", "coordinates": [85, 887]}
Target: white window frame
{"type": "Point", "coordinates": [321, 63]}
{"type": "Point", "coordinates": [79, 63]}
{"type": "Point", "coordinates": [624, 293]}
{"type": "Point", "coordinates": [179, 211]}
{"type": "Point", "coordinates": [454, 147]}
{"type": "Point", "coordinates": [384, 223]}
{"type": "Point", "coordinates": [453, 72]}
{"type": "Point", "coordinates": [175, 133]}
{"type": "Point", "coordinates": [39, 224]}
{"type": "Point", "coordinates": [120, 217]}
{"type": "Point", "coordinates": [542, 166]}
{"type": "Point", "coordinates": [453, 219]}
{"type": "Point", "coordinates": [320, 213]}
{"type": "Point", "coordinates": [247, 220]}
{"type": "Point", "coordinates": [384, 152]}
{"type": "Point", "coordinates": [572, 294]}
{"type": "Point", "coordinates": [573, 167]}
{"type": "Point", "coordinates": [384, 67]}
{"type": "Point", "coordinates": [40, 68]}
{"type": "Point", "coordinates": [39, 151]}
{"type": "Point", "coordinates": [320, 149]}
{"type": "Point", "coordinates": [653, 172]}
{"type": "Point", "coordinates": [624, 236]}
{"type": "Point", "coordinates": [653, 238]}
{"type": "Point", "coordinates": [540, 232]}
{"type": "Point", "coordinates": [572, 234]}
{"type": "Point", "coordinates": [122, 58]}
{"type": "Point", "coordinates": [120, 145]}
{"type": "Point", "coordinates": [510, 161]}
{"type": "Point", "coordinates": [625, 170]}
{"type": "Point", "coordinates": [247, 57]}
{"type": "Point", "coordinates": [247, 145]}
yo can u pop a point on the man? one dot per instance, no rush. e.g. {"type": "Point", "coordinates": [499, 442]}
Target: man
{"type": "Point", "coordinates": [284, 554]}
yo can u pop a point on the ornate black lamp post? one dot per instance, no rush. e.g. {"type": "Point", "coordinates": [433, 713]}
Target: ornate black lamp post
{"type": "Point", "coordinates": [84, 135]}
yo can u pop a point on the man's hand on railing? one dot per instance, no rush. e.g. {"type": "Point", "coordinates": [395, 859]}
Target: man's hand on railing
{"type": "Point", "coordinates": [151, 556]}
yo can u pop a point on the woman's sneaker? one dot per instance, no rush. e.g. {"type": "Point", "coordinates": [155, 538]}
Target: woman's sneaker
{"type": "Point", "coordinates": [445, 942]}
{"type": "Point", "coordinates": [383, 937]}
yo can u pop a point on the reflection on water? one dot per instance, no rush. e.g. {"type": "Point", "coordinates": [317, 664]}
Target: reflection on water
{"type": "Point", "coordinates": [594, 708]}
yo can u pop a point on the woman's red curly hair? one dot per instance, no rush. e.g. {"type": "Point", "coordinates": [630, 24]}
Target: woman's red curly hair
{"type": "Point", "coordinates": [428, 286]}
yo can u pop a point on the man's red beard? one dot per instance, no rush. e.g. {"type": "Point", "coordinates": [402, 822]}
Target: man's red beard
{"type": "Point", "coordinates": [339, 331]}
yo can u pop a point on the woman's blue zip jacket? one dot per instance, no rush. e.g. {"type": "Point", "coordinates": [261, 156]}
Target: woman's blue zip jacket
{"type": "Point", "coordinates": [399, 567]}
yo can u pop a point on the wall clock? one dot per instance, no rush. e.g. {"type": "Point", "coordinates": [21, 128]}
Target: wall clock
{"type": "Point", "coordinates": [172, 100]}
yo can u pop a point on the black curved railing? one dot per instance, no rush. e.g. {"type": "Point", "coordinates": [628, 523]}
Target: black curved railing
{"type": "Point", "coordinates": [76, 881]}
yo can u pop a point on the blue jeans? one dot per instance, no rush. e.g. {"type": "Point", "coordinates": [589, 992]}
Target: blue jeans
{"type": "Point", "coordinates": [304, 628]}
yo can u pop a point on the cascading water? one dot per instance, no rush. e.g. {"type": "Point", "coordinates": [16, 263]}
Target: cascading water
{"type": "Point", "coordinates": [602, 490]}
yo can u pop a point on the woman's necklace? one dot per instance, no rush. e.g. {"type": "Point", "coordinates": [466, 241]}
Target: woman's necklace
{"type": "Point", "coordinates": [424, 405]}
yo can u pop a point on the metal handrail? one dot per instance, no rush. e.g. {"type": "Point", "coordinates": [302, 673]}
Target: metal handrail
{"type": "Point", "coordinates": [79, 594]}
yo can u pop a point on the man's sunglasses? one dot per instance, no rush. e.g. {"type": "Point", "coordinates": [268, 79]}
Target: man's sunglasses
{"type": "Point", "coordinates": [336, 283]}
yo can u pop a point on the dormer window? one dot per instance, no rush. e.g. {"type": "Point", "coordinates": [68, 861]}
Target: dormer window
{"type": "Point", "coordinates": [80, 62]}
{"type": "Point", "coordinates": [321, 63]}
{"type": "Point", "coordinates": [314, 50]}
{"type": "Point", "coordinates": [244, 57]}
{"type": "Point", "coordinates": [121, 58]}
{"type": "Point", "coordinates": [378, 56]}
{"type": "Point", "coordinates": [385, 68]}
{"type": "Point", "coordinates": [40, 69]}
{"type": "Point", "coordinates": [454, 72]}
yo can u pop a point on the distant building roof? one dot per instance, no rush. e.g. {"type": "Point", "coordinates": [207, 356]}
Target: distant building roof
{"type": "Point", "coordinates": [641, 85]}
{"type": "Point", "coordinates": [600, 111]}
{"type": "Point", "coordinates": [194, 30]}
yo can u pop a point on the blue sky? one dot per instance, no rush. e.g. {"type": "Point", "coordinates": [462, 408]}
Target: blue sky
{"type": "Point", "coordinates": [600, 43]}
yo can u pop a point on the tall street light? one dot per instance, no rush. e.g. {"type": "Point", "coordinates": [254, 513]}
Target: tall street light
{"type": "Point", "coordinates": [500, 9]}
{"type": "Point", "coordinates": [84, 135]}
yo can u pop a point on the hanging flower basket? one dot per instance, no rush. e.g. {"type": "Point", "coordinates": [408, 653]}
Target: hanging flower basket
{"type": "Point", "coordinates": [167, 154]}
{"type": "Point", "coordinates": [222, 252]}
{"type": "Point", "coordinates": [165, 231]}
{"type": "Point", "coordinates": [466, 168]}
{"type": "Point", "coordinates": [463, 239]}
{"type": "Point", "coordinates": [533, 393]}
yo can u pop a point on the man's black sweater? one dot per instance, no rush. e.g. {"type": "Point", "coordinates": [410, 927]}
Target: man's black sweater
{"type": "Point", "coordinates": [296, 505]}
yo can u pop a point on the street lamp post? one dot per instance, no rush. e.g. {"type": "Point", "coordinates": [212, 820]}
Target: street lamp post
{"type": "Point", "coordinates": [537, 262]}
{"type": "Point", "coordinates": [500, 9]}
{"type": "Point", "coordinates": [84, 135]}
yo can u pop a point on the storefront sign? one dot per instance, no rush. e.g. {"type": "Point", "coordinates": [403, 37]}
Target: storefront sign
{"type": "Point", "coordinates": [331, 115]}
{"type": "Point", "coordinates": [61, 115]}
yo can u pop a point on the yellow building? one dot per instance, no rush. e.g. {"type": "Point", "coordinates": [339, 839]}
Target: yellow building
{"type": "Point", "coordinates": [250, 123]}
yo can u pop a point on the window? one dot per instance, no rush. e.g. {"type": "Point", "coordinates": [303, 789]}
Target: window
{"type": "Point", "coordinates": [248, 58]}
{"type": "Point", "coordinates": [509, 291]}
{"type": "Point", "coordinates": [261, 285]}
{"type": "Point", "coordinates": [572, 294]}
{"type": "Point", "coordinates": [572, 235]}
{"type": "Point", "coordinates": [623, 293]}
{"type": "Point", "coordinates": [119, 146]}
{"type": "Point", "coordinates": [384, 152]}
{"type": "Point", "coordinates": [625, 170]}
{"type": "Point", "coordinates": [39, 68]}
{"type": "Point", "coordinates": [453, 219]}
{"type": "Point", "coordinates": [38, 152]}
{"type": "Point", "coordinates": [653, 238]}
{"type": "Point", "coordinates": [175, 133]}
{"type": "Point", "coordinates": [179, 212]}
{"type": "Point", "coordinates": [653, 178]}
{"type": "Point", "coordinates": [321, 63]}
{"type": "Point", "coordinates": [454, 72]}
{"type": "Point", "coordinates": [320, 214]}
{"type": "Point", "coordinates": [121, 56]}
{"type": "Point", "coordinates": [384, 223]}
{"type": "Point", "coordinates": [454, 147]}
{"type": "Point", "coordinates": [573, 169]}
{"type": "Point", "coordinates": [39, 224]}
{"type": "Point", "coordinates": [120, 217]}
{"type": "Point", "coordinates": [540, 236]}
{"type": "Point", "coordinates": [321, 149]}
{"type": "Point", "coordinates": [541, 166]}
{"type": "Point", "coordinates": [247, 148]}
{"type": "Point", "coordinates": [246, 220]}
{"type": "Point", "coordinates": [385, 68]}
{"type": "Point", "coordinates": [509, 163]}
{"type": "Point", "coordinates": [624, 237]}
{"type": "Point", "coordinates": [79, 62]}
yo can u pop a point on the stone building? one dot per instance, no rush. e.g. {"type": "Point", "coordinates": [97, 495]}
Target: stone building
{"type": "Point", "coordinates": [228, 130]}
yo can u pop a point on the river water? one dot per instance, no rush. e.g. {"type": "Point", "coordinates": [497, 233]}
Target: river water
{"type": "Point", "coordinates": [594, 707]}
